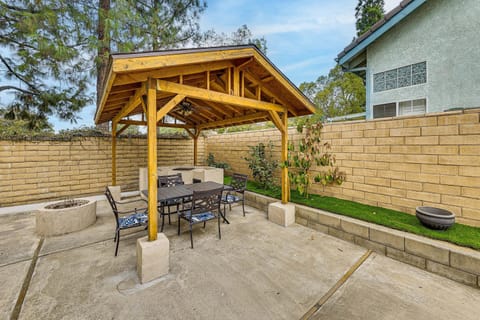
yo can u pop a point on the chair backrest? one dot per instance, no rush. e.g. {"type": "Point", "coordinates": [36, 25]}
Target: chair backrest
{"type": "Point", "coordinates": [111, 200]}
{"type": "Point", "coordinates": [239, 182]}
{"type": "Point", "coordinates": [204, 201]}
{"type": "Point", "coordinates": [170, 180]}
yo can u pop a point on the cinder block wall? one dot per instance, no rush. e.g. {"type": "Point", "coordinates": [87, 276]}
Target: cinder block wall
{"type": "Point", "coordinates": [33, 171]}
{"type": "Point", "coordinates": [397, 163]}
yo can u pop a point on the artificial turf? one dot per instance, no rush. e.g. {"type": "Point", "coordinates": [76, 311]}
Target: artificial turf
{"type": "Point", "coordinates": [460, 234]}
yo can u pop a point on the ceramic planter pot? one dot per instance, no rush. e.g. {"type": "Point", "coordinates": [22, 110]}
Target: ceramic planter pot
{"type": "Point", "coordinates": [435, 218]}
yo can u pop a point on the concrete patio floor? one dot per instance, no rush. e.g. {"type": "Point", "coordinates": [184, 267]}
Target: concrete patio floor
{"type": "Point", "coordinates": [258, 270]}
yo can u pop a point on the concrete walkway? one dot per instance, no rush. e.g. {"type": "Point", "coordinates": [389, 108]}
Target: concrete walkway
{"type": "Point", "coordinates": [258, 270]}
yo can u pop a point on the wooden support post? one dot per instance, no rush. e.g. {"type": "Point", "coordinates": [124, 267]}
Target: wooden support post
{"type": "Point", "coordinates": [152, 158]}
{"type": "Point", "coordinates": [114, 153]}
{"type": "Point", "coordinates": [229, 81]}
{"type": "Point", "coordinates": [284, 156]}
{"type": "Point", "coordinates": [195, 146]}
{"type": "Point", "coordinates": [236, 82]}
{"type": "Point", "coordinates": [195, 150]}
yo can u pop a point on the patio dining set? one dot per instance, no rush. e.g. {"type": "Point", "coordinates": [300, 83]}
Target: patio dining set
{"type": "Point", "coordinates": [194, 203]}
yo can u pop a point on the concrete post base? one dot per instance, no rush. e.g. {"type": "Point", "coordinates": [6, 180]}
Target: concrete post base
{"type": "Point", "coordinates": [282, 214]}
{"type": "Point", "coordinates": [153, 258]}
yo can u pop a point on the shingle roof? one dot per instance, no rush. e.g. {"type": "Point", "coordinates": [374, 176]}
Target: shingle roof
{"type": "Point", "coordinates": [374, 28]}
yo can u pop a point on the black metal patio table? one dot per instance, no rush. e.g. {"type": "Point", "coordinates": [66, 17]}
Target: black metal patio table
{"type": "Point", "coordinates": [183, 191]}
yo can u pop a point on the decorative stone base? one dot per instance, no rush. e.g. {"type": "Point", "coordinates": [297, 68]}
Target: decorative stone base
{"type": "Point", "coordinates": [153, 258]}
{"type": "Point", "coordinates": [282, 214]}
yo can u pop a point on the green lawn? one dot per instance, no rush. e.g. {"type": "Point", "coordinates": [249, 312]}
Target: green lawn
{"type": "Point", "coordinates": [460, 234]}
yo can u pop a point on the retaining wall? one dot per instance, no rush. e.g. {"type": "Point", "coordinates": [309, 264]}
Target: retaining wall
{"type": "Point", "coordinates": [448, 260]}
{"type": "Point", "coordinates": [398, 163]}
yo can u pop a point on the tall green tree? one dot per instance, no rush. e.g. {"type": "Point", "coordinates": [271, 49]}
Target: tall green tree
{"type": "Point", "coordinates": [367, 13]}
{"type": "Point", "coordinates": [336, 94]}
{"type": "Point", "coordinates": [144, 25]}
{"type": "Point", "coordinates": [50, 49]}
{"type": "Point", "coordinates": [40, 61]}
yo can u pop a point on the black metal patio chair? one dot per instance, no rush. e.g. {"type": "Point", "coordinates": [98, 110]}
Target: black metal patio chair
{"type": "Point", "coordinates": [126, 219]}
{"type": "Point", "coordinates": [169, 181]}
{"type": "Point", "coordinates": [236, 193]}
{"type": "Point", "coordinates": [205, 206]}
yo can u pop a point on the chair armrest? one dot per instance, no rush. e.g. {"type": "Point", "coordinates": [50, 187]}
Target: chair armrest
{"type": "Point", "coordinates": [129, 201]}
{"type": "Point", "coordinates": [136, 210]}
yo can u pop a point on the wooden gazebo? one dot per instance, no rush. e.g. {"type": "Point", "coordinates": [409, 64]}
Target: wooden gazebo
{"type": "Point", "coordinates": [198, 89]}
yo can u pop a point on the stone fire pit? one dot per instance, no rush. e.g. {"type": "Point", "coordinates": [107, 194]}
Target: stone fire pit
{"type": "Point", "coordinates": [65, 217]}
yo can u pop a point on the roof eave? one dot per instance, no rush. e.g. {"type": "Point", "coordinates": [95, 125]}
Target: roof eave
{"type": "Point", "coordinates": [351, 51]}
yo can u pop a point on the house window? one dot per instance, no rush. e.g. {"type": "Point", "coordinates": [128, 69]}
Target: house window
{"type": "Point", "coordinates": [401, 77]}
{"type": "Point", "coordinates": [385, 110]}
{"type": "Point", "coordinates": [418, 106]}
{"type": "Point", "coordinates": [419, 73]}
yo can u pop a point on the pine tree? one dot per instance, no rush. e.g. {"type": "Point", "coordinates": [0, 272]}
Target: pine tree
{"type": "Point", "coordinates": [40, 60]}
{"type": "Point", "coordinates": [367, 13]}
{"type": "Point", "coordinates": [50, 49]}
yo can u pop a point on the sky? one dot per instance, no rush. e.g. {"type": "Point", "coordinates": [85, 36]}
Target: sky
{"type": "Point", "coordinates": [303, 36]}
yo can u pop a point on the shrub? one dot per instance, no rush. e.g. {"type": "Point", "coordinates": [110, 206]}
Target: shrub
{"type": "Point", "coordinates": [308, 152]}
{"type": "Point", "coordinates": [212, 163]}
{"type": "Point", "coordinates": [262, 165]}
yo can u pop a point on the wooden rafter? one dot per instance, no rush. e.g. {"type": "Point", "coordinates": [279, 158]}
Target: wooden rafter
{"type": "Point", "coordinates": [162, 112]}
{"type": "Point", "coordinates": [233, 121]}
{"type": "Point", "coordinates": [134, 101]}
{"type": "Point", "coordinates": [159, 124]}
{"type": "Point", "coordinates": [277, 121]}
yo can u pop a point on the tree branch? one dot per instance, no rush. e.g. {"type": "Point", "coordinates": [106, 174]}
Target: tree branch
{"type": "Point", "coordinates": [19, 77]}
{"type": "Point", "coordinates": [3, 88]}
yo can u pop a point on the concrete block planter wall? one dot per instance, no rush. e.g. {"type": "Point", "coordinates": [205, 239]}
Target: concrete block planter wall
{"type": "Point", "coordinates": [448, 260]}
{"type": "Point", "coordinates": [52, 222]}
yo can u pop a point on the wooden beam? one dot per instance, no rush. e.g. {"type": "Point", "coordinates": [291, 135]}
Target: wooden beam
{"type": "Point", "coordinates": [242, 84]}
{"type": "Point", "coordinates": [229, 81]}
{"type": "Point", "coordinates": [152, 159]}
{"type": "Point", "coordinates": [106, 91]}
{"type": "Point", "coordinates": [125, 126]}
{"type": "Point", "coordinates": [236, 82]}
{"type": "Point", "coordinates": [276, 120]}
{"type": "Point", "coordinates": [195, 150]}
{"type": "Point", "coordinates": [284, 82]}
{"type": "Point", "coordinates": [114, 153]}
{"type": "Point", "coordinates": [130, 62]}
{"type": "Point", "coordinates": [214, 96]}
{"type": "Point", "coordinates": [134, 101]}
{"type": "Point", "coordinates": [256, 81]}
{"type": "Point", "coordinates": [190, 133]}
{"type": "Point", "coordinates": [234, 121]}
{"type": "Point", "coordinates": [162, 112]}
{"type": "Point", "coordinates": [160, 124]}
{"type": "Point", "coordinates": [243, 65]}
{"type": "Point", "coordinates": [284, 157]}
{"type": "Point", "coordinates": [130, 78]}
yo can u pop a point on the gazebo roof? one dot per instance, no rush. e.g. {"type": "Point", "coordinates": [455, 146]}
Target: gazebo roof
{"type": "Point", "coordinates": [224, 86]}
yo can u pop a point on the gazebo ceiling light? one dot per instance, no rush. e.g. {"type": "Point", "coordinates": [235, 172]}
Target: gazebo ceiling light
{"type": "Point", "coordinates": [185, 108]}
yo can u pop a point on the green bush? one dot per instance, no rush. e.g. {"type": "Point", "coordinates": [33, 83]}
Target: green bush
{"type": "Point", "coordinates": [212, 163]}
{"type": "Point", "coordinates": [262, 165]}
